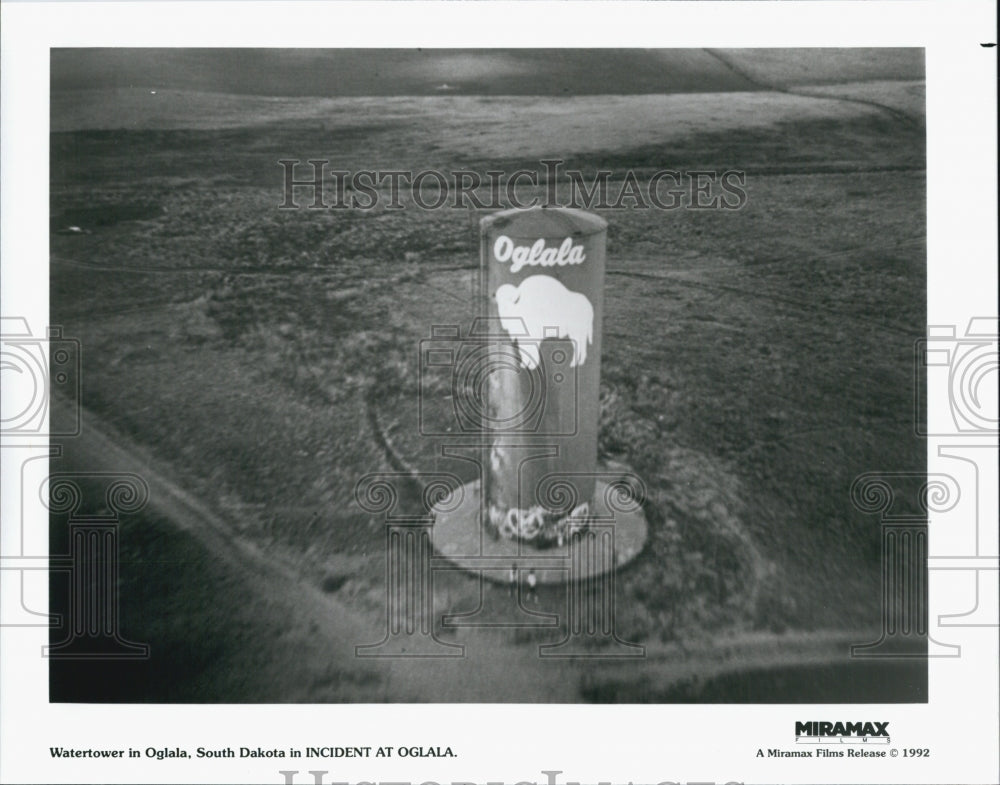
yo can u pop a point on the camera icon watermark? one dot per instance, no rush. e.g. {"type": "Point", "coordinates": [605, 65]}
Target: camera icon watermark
{"type": "Point", "coordinates": [34, 371]}
{"type": "Point", "coordinates": [964, 365]}
{"type": "Point", "coordinates": [477, 384]}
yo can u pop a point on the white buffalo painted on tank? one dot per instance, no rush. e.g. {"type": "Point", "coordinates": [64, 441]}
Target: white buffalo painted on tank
{"type": "Point", "coordinates": [542, 307]}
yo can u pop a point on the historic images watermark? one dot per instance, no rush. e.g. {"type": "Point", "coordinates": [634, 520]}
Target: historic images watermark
{"type": "Point", "coordinates": [963, 366]}
{"type": "Point", "coordinates": [34, 368]}
{"type": "Point", "coordinates": [515, 396]}
{"type": "Point", "coordinates": [903, 502]}
{"type": "Point", "coordinates": [41, 401]}
{"type": "Point", "coordinates": [324, 188]}
{"type": "Point", "coordinates": [412, 621]}
{"type": "Point", "coordinates": [290, 777]}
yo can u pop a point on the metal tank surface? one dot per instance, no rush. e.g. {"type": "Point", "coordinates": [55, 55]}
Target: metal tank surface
{"type": "Point", "coordinates": [545, 292]}
{"type": "Point", "coordinates": [533, 380]}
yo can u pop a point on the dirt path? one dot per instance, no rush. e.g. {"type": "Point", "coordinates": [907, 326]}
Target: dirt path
{"type": "Point", "coordinates": [892, 112]}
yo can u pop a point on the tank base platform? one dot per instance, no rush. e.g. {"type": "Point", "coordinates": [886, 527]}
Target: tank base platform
{"type": "Point", "coordinates": [615, 536]}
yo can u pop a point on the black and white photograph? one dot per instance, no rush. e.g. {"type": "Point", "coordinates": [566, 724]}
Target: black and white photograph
{"type": "Point", "coordinates": [539, 393]}
{"type": "Point", "coordinates": [613, 451]}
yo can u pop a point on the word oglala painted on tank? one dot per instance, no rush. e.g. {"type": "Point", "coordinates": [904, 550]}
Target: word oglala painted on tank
{"type": "Point", "coordinates": [537, 254]}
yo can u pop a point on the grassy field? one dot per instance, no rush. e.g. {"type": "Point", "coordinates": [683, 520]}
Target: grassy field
{"type": "Point", "coordinates": [755, 361]}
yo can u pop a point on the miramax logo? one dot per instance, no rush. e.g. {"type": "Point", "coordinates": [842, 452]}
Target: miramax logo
{"type": "Point", "coordinates": [842, 732]}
